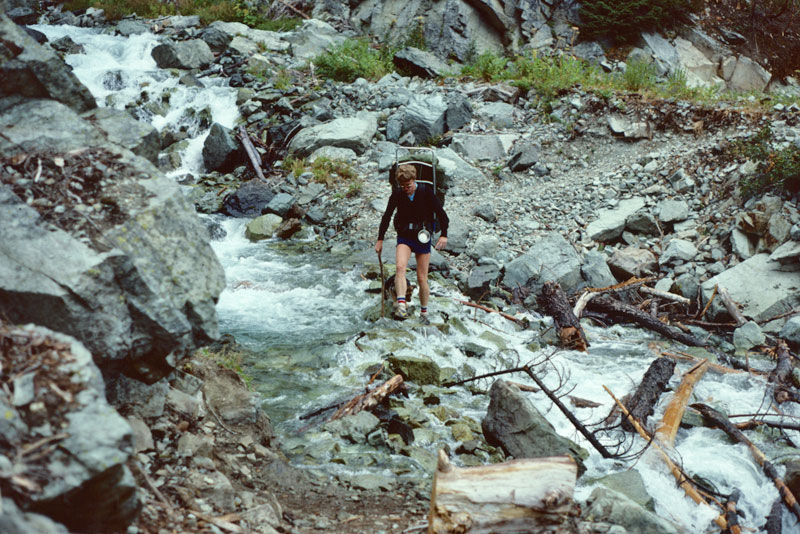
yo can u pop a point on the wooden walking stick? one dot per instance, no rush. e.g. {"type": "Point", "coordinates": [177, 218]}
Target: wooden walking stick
{"type": "Point", "coordinates": [383, 288]}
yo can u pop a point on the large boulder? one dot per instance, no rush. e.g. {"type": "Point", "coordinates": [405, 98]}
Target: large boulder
{"type": "Point", "coordinates": [83, 482]}
{"type": "Point", "coordinates": [221, 151]}
{"type": "Point", "coordinates": [420, 63]}
{"type": "Point", "coordinates": [425, 117]}
{"type": "Point", "coordinates": [33, 71]}
{"type": "Point", "coordinates": [613, 508]}
{"type": "Point", "coordinates": [551, 258]}
{"type": "Point", "coordinates": [355, 133]}
{"type": "Point", "coordinates": [249, 200]}
{"type": "Point", "coordinates": [122, 129]}
{"type": "Point", "coordinates": [189, 54]}
{"type": "Point", "coordinates": [610, 222]}
{"type": "Point", "coordinates": [515, 425]}
{"type": "Point", "coordinates": [124, 265]}
{"type": "Point", "coordinates": [759, 286]}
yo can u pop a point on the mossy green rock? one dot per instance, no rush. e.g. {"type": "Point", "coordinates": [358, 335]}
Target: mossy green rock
{"type": "Point", "coordinates": [262, 227]}
{"type": "Point", "coordinates": [418, 370]}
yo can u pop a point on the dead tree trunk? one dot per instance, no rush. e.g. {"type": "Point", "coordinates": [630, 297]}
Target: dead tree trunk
{"type": "Point", "coordinates": [673, 415]}
{"type": "Point", "coordinates": [524, 495]}
{"type": "Point", "coordinates": [720, 420]}
{"type": "Point", "coordinates": [369, 399]}
{"type": "Point", "coordinates": [620, 310]}
{"type": "Point", "coordinates": [774, 523]}
{"type": "Point", "coordinates": [781, 377]}
{"type": "Point", "coordinates": [643, 401]}
{"type": "Point", "coordinates": [731, 515]}
{"type": "Point", "coordinates": [252, 154]}
{"type": "Point", "coordinates": [570, 333]}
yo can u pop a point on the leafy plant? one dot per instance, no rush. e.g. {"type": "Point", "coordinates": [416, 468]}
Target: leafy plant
{"type": "Point", "coordinates": [352, 59]}
{"type": "Point", "coordinates": [777, 169]}
{"type": "Point", "coordinates": [326, 170]}
{"type": "Point", "coordinates": [487, 66]}
{"type": "Point", "coordinates": [639, 74]}
{"type": "Point", "coordinates": [228, 359]}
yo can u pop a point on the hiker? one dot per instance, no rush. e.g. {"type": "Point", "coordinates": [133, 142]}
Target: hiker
{"type": "Point", "coordinates": [416, 204]}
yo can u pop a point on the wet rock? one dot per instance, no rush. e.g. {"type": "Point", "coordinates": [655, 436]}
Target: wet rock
{"type": "Point", "coordinates": [516, 426]}
{"type": "Point", "coordinates": [189, 54]}
{"type": "Point", "coordinates": [221, 150]}
{"type": "Point", "coordinates": [249, 200]}
{"type": "Point", "coordinates": [355, 428]}
{"type": "Point", "coordinates": [551, 258]}
{"type": "Point", "coordinates": [607, 506]}
{"type": "Point", "coordinates": [288, 228]}
{"type": "Point", "coordinates": [420, 371]}
{"type": "Point", "coordinates": [747, 336]}
{"type": "Point", "coordinates": [630, 484]}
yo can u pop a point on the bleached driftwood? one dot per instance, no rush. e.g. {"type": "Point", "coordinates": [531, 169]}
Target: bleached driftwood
{"type": "Point", "coordinates": [531, 495]}
{"type": "Point", "coordinates": [668, 429]}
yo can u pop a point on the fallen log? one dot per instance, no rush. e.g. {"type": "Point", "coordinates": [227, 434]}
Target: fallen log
{"type": "Point", "coordinates": [524, 495]}
{"type": "Point", "coordinates": [721, 421]}
{"type": "Point", "coordinates": [780, 379]}
{"type": "Point", "coordinates": [252, 154]}
{"type": "Point", "coordinates": [489, 310]}
{"type": "Point", "coordinates": [682, 480]}
{"type": "Point", "coordinates": [671, 419]}
{"type": "Point", "coordinates": [642, 403]}
{"type": "Point", "coordinates": [774, 524]}
{"type": "Point", "coordinates": [731, 514]}
{"type": "Point", "coordinates": [717, 368]}
{"type": "Point", "coordinates": [665, 295]}
{"type": "Point", "coordinates": [369, 399]}
{"type": "Point", "coordinates": [620, 310]}
{"type": "Point", "coordinates": [731, 306]}
{"type": "Point", "coordinates": [570, 333]}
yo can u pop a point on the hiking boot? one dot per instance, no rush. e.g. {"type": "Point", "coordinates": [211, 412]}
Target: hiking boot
{"type": "Point", "coordinates": [423, 318]}
{"type": "Point", "coordinates": [401, 312]}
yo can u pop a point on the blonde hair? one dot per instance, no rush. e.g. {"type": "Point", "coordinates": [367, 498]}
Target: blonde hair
{"type": "Point", "coordinates": [406, 173]}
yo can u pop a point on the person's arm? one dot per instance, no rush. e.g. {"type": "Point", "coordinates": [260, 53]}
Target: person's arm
{"type": "Point", "coordinates": [385, 220]}
{"type": "Point", "coordinates": [444, 222]}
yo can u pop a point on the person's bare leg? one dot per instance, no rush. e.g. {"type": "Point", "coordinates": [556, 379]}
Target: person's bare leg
{"type": "Point", "coordinates": [402, 255]}
{"type": "Point", "coordinates": [423, 263]}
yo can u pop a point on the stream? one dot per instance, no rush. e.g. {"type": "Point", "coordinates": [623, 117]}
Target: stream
{"type": "Point", "coordinates": [304, 312]}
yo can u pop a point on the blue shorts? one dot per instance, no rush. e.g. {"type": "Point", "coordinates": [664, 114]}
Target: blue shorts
{"type": "Point", "coordinates": [415, 246]}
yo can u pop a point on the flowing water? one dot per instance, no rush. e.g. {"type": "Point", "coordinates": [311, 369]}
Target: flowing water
{"type": "Point", "coordinates": [303, 314]}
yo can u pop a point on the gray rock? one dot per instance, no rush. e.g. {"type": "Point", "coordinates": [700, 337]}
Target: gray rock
{"type": "Point", "coordinates": [620, 125]}
{"type": "Point", "coordinates": [221, 150]}
{"type": "Point", "coordinates": [311, 39]}
{"type": "Point", "coordinates": [524, 155]}
{"type": "Point", "coordinates": [420, 63]}
{"type": "Point", "coordinates": [608, 506]}
{"type": "Point", "coordinates": [122, 129]}
{"type": "Point", "coordinates": [216, 39]}
{"type": "Point", "coordinates": [681, 182]}
{"type": "Point", "coordinates": [496, 114]}
{"type": "Point", "coordinates": [590, 51]}
{"type": "Point", "coordinates": [249, 200]}
{"type": "Point", "coordinates": [485, 212]}
{"type": "Point", "coordinates": [486, 246]}
{"type": "Point", "coordinates": [16, 521]}
{"type": "Point", "coordinates": [551, 258]}
{"type": "Point", "coordinates": [263, 227]}
{"type": "Point", "coordinates": [480, 280]}
{"type": "Point", "coordinates": [128, 27]}
{"type": "Point", "coordinates": [741, 245]}
{"type": "Point", "coordinates": [758, 301]}
{"type": "Point", "coordinates": [673, 211]}
{"type": "Point", "coordinates": [356, 427]}
{"type": "Point", "coordinates": [664, 54]}
{"type": "Point", "coordinates": [474, 147]}
{"type": "Point", "coordinates": [642, 222]}
{"type": "Point", "coordinates": [280, 204]}
{"type": "Point", "coordinates": [355, 133]}
{"type": "Point", "coordinates": [34, 71]}
{"type": "Point", "coordinates": [139, 399]}
{"type": "Point", "coordinates": [515, 425]}
{"type": "Point", "coordinates": [687, 286]}
{"type": "Point", "coordinates": [611, 222]}
{"type": "Point", "coordinates": [749, 76]}
{"type": "Point", "coordinates": [189, 54]}
{"type": "Point", "coordinates": [425, 117]}
{"type": "Point", "coordinates": [459, 112]}
{"type": "Point", "coordinates": [630, 484]}
{"type": "Point", "coordinates": [632, 261]}
{"type": "Point", "coordinates": [333, 153]}
{"type": "Point", "coordinates": [678, 250]}
{"type": "Point", "coordinates": [788, 253]}
{"type": "Point", "coordinates": [748, 335]}
{"type": "Point", "coordinates": [595, 270]}
{"type": "Point", "coordinates": [791, 331]}
{"type": "Point", "coordinates": [420, 370]}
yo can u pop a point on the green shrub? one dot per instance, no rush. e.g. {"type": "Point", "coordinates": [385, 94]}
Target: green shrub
{"type": "Point", "coordinates": [777, 169]}
{"type": "Point", "coordinates": [624, 20]}
{"type": "Point", "coordinates": [551, 75]}
{"type": "Point", "coordinates": [352, 59]}
{"type": "Point", "coordinates": [638, 75]}
{"type": "Point", "coordinates": [488, 67]}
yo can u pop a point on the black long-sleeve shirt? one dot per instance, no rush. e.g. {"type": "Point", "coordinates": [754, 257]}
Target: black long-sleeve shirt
{"type": "Point", "coordinates": [413, 215]}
